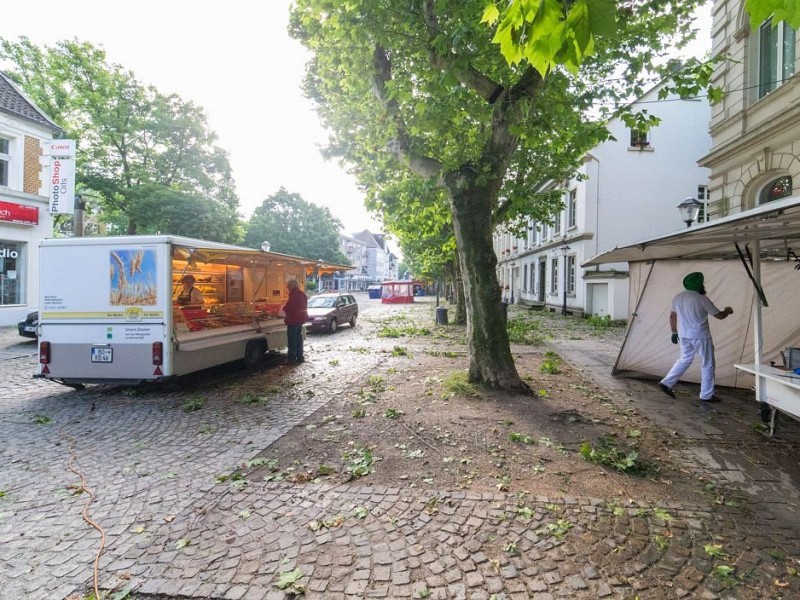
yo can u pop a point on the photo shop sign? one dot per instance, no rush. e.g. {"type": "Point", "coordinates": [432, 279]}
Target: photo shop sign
{"type": "Point", "coordinates": [62, 177]}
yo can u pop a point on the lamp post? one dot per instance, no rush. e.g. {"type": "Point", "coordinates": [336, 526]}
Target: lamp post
{"type": "Point", "coordinates": [265, 246]}
{"type": "Point", "coordinates": [513, 266]}
{"type": "Point", "coordinates": [689, 209]}
{"type": "Point", "coordinates": [564, 249]}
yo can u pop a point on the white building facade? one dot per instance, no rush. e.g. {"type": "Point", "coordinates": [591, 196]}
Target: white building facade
{"type": "Point", "coordinates": [355, 250]}
{"type": "Point", "coordinates": [627, 189]}
{"type": "Point", "coordinates": [379, 262]}
{"type": "Point", "coordinates": [755, 156]}
{"type": "Point", "coordinates": [24, 206]}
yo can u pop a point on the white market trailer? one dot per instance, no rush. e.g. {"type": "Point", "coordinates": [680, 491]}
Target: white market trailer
{"type": "Point", "coordinates": [108, 311]}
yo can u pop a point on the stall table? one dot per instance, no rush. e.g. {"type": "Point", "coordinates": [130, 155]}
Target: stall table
{"type": "Point", "coordinates": [778, 389]}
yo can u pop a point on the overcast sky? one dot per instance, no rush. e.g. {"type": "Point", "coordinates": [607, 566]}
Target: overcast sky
{"type": "Point", "coordinates": [234, 59]}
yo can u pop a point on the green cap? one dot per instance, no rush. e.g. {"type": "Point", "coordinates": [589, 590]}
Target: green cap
{"type": "Point", "coordinates": [693, 281]}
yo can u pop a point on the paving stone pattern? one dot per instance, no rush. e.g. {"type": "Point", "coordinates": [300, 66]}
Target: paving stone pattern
{"type": "Point", "coordinates": [174, 531]}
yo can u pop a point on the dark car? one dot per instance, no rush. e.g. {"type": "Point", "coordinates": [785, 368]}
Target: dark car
{"type": "Point", "coordinates": [27, 328]}
{"type": "Point", "coordinates": [327, 311]}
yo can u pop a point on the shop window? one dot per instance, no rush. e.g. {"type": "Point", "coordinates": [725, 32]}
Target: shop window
{"type": "Point", "coordinates": [12, 260]}
{"type": "Point", "coordinates": [776, 56]}
{"type": "Point", "coordinates": [5, 158]}
{"type": "Point", "coordinates": [776, 189]}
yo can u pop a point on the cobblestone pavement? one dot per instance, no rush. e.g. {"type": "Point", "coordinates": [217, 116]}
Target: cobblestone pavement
{"type": "Point", "coordinates": [173, 531]}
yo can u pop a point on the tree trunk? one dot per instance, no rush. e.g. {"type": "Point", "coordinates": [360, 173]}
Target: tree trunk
{"type": "Point", "coordinates": [490, 360]}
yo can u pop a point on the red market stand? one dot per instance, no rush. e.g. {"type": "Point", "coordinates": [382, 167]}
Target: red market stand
{"type": "Point", "coordinates": [397, 292]}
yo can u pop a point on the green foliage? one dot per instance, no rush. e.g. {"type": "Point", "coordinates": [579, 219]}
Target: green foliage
{"type": "Point", "coordinates": [607, 453]}
{"type": "Point", "coordinates": [293, 226]}
{"type": "Point", "coordinates": [288, 580]}
{"type": "Point", "coordinates": [715, 551]}
{"type": "Point", "coordinates": [392, 413]}
{"type": "Point", "coordinates": [560, 528]}
{"type": "Point", "coordinates": [359, 461]}
{"type": "Point", "coordinates": [146, 160]}
{"type": "Point", "coordinates": [551, 363]}
{"type": "Point", "coordinates": [519, 437]}
{"type": "Point", "coordinates": [376, 383]}
{"type": "Point", "coordinates": [194, 404]}
{"type": "Point", "coordinates": [780, 10]}
{"type": "Point", "coordinates": [525, 331]}
{"type": "Point", "coordinates": [387, 331]}
{"type": "Point", "coordinates": [400, 351]}
{"type": "Point", "coordinates": [458, 384]}
{"type": "Point", "coordinates": [40, 419]}
{"type": "Point", "coordinates": [602, 321]}
{"type": "Point", "coordinates": [550, 34]}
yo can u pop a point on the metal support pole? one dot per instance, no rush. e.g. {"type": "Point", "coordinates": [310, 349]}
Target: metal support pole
{"type": "Point", "coordinates": [78, 218]}
{"type": "Point", "coordinates": [758, 348]}
{"type": "Point", "coordinates": [564, 305]}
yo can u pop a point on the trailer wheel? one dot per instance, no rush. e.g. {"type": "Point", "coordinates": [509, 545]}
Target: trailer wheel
{"type": "Point", "coordinates": [254, 353]}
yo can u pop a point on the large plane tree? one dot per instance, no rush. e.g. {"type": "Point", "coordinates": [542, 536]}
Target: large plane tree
{"type": "Point", "coordinates": [419, 87]}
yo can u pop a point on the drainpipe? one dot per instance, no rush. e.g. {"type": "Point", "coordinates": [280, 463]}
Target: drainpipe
{"type": "Point", "coordinates": [597, 210]}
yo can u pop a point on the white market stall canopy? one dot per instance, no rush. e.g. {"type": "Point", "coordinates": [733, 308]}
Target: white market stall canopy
{"type": "Point", "coordinates": [757, 250]}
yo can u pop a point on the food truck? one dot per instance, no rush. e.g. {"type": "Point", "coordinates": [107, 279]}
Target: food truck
{"type": "Point", "coordinates": [109, 310]}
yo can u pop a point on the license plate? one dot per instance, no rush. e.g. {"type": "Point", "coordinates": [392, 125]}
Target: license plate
{"type": "Point", "coordinates": [102, 355]}
{"type": "Point", "coordinates": [29, 328]}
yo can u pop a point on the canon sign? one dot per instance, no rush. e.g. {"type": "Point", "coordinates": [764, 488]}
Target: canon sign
{"type": "Point", "coordinates": [8, 253]}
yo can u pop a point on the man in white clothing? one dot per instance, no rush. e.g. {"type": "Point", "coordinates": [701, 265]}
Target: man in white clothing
{"type": "Point", "coordinates": [689, 323]}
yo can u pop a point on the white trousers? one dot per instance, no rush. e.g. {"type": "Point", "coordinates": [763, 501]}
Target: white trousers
{"type": "Point", "coordinates": [704, 347]}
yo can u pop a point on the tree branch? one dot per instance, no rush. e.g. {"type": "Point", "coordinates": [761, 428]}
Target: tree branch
{"type": "Point", "coordinates": [401, 146]}
{"type": "Point", "coordinates": [470, 76]}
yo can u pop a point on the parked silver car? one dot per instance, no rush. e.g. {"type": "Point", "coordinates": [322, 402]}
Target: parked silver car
{"type": "Point", "coordinates": [327, 311]}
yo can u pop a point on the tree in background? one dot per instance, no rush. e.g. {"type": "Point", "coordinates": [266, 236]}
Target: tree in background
{"type": "Point", "coordinates": [416, 212]}
{"type": "Point", "coordinates": [293, 226]}
{"type": "Point", "coordinates": [150, 158]}
{"type": "Point", "coordinates": [420, 87]}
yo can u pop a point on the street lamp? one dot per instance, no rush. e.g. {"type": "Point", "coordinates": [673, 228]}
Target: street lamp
{"type": "Point", "coordinates": [265, 246]}
{"type": "Point", "coordinates": [564, 249]}
{"type": "Point", "coordinates": [689, 209]}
